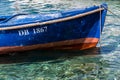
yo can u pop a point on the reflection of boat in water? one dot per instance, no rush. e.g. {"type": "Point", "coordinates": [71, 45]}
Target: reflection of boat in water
{"type": "Point", "coordinates": [73, 29]}
{"type": "Point", "coordinates": [52, 56]}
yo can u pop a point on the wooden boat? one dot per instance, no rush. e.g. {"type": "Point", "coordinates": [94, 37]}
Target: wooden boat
{"type": "Point", "coordinates": [73, 29]}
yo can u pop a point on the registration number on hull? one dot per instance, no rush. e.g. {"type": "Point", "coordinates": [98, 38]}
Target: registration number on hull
{"type": "Point", "coordinates": [34, 31]}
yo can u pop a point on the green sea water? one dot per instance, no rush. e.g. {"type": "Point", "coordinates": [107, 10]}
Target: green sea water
{"type": "Point", "coordinates": [100, 63]}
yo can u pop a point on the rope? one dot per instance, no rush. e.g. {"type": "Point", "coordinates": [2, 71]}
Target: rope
{"type": "Point", "coordinates": [109, 11]}
{"type": "Point", "coordinates": [51, 21]}
{"type": "Point", "coordinates": [100, 28]}
{"type": "Point", "coordinates": [112, 13]}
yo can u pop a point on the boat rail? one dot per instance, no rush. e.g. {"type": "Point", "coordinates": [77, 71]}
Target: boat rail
{"type": "Point", "coordinates": [51, 21]}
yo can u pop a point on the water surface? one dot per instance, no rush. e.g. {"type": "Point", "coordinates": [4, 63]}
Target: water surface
{"type": "Point", "coordinates": [101, 63]}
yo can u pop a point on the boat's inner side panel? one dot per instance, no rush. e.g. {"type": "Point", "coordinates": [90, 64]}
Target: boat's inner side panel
{"type": "Point", "coordinates": [21, 19]}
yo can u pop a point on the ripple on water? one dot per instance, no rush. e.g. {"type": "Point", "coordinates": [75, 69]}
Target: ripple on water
{"type": "Point", "coordinates": [103, 65]}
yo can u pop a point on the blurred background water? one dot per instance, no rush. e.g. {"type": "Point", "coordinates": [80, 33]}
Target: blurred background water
{"type": "Point", "coordinates": [100, 63]}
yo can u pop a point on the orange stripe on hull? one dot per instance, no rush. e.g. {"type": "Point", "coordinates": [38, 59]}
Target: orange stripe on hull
{"type": "Point", "coordinates": [77, 44]}
{"type": "Point", "coordinates": [81, 46]}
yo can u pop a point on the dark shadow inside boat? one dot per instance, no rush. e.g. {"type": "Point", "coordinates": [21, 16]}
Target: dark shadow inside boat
{"type": "Point", "coordinates": [45, 55]}
{"type": "Point", "coordinates": [2, 19]}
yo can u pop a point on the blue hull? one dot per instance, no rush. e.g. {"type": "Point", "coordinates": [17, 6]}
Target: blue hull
{"type": "Point", "coordinates": [16, 32]}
